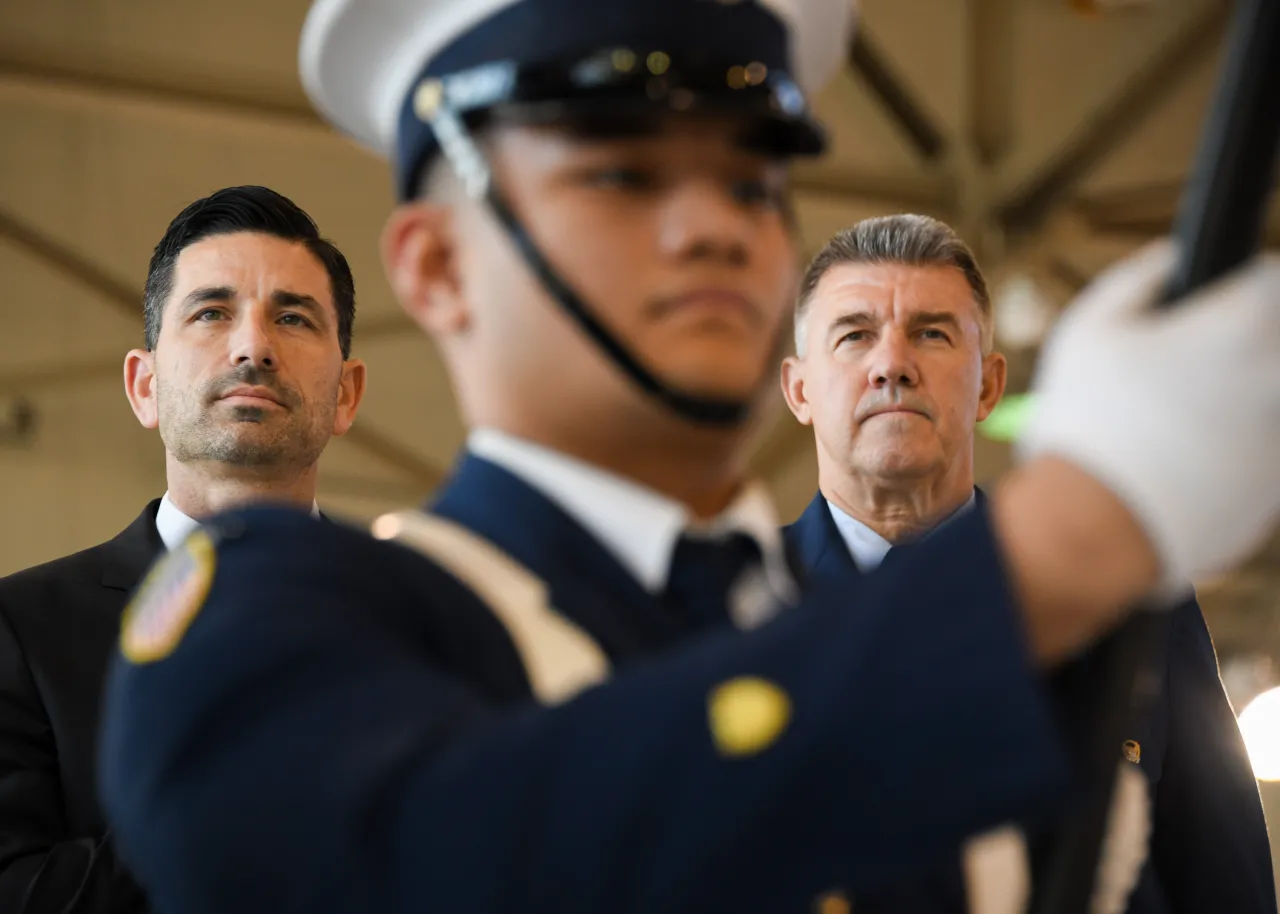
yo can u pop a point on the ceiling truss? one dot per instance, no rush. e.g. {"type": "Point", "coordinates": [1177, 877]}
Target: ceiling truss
{"type": "Point", "coordinates": [960, 178]}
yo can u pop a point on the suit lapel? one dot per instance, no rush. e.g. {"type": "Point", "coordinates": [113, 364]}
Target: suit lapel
{"type": "Point", "coordinates": [816, 544]}
{"type": "Point", "coordinates": [814, 541]}
{"type": "Point", "coordinates": [131, 552]}
{"type": "Point", "coordinates": [587, 583]}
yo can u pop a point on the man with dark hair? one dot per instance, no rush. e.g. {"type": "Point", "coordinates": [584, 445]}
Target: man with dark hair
{"type": "Point", "coordinates": [245, 372]}
{"type": "Point", "coordinates": [894, 368]}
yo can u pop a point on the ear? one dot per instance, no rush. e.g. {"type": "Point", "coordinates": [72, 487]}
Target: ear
{"type": "Point", "coordinates": [995, 374]}
{"type": "Point", "coordinates": [793, 389]}
{"type": "Point", "coordinates": [350, 393]}
{"type": "Point", "coordinates": [419, 254]}
{"type": "Point", "coordinates": [140, 386]}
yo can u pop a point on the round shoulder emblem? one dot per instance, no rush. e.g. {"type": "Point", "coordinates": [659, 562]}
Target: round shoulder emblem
{"type": "Point", "coordinates": [168, 600]}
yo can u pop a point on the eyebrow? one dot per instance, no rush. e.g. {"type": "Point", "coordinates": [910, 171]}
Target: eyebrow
{"type": "Point", "coordinates": [207, 294]}
{"type": "Point", "coordinates": [852, 319]}
{"type": "Point", "coordinates": [856, 319]}
{"type": "Point", "coordinates": [933, 318]}
{"type": "Point", "coordinates": [281, 298]}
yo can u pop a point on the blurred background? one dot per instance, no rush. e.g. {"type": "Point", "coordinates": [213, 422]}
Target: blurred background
{"type": "Point", "coordinates": [1053, 134]}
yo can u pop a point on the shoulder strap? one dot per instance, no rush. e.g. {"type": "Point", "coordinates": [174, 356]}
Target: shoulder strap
{"type": "Point", "coordinates": [559, 657]}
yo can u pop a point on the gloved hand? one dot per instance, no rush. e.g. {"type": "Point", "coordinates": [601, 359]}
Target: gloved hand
{"type": "Point", "coordinates": [1177, 412]}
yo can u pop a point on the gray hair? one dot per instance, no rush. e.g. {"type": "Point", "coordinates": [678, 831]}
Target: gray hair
{"type": "Point", "coordinates": [908, 239]}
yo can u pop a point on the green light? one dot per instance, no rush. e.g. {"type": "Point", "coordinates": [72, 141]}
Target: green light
{"type": "Point", "coordinates": [1008, 419]}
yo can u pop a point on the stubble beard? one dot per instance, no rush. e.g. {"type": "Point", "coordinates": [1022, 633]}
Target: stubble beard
{"type": "Point", "coordinates": [243, 437]}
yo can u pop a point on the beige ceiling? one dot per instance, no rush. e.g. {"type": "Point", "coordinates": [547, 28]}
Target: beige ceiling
{"type": "Point", "coordinates": [1056, 141]}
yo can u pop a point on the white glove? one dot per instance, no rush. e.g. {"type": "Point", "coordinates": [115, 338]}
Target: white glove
{"type": "Point", "coordinates": [1176, 412]}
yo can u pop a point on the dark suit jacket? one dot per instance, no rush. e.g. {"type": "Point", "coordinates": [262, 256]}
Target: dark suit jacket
{"type": "Point", "coordinates": [1209, 849]}
{"type": "Point", "coordinates": [58, 628]}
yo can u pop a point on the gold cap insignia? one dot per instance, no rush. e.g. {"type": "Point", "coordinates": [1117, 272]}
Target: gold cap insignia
{"type": "Point", "coordinates": [427, 98]}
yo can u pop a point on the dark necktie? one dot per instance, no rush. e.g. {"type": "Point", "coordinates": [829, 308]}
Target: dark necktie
{"type": "Point", "coordinates": [703, 576]}
{"type": "Point", "coordinates": [896, 554]}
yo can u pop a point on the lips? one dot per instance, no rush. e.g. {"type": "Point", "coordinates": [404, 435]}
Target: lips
{"type": "Point", "coordinates": [710, 300]}
{"type": "Point", "coordinates": [895, 411]}
{"type": "Point", "coordinates": [252, 393]}
{"type": "Point", "coordinates": [898, 412]}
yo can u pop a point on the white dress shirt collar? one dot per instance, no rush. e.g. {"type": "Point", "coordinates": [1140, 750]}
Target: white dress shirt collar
{"type": "Point", "coordinates": [174, 526]}
{"type": "Point", "coordinates": [638, 526]}
{"type": "Point", "coordinates": [868, 548]}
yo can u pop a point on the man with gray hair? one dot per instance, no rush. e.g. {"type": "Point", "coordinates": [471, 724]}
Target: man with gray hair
{"type": "Point", "coordinates": [894, 367]}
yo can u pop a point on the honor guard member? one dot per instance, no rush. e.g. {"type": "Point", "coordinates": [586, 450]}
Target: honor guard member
{"type": "Point", "coordinates": [561, 689]}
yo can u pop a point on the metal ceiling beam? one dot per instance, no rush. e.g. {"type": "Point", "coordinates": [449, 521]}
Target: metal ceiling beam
{"type": "Point", "coordinates": [379, 328]}
{"type": "Point", "coordinates": [1137, 232]}
{"type": "Point", "coordinates": [67, 374]}
{"type": "Point", "coordinates": [182, 91]}
{"type": "Point", "coordinates": [424, 473]}
{"type": "Point", "coordinates": [873, 66]}
{"type": "Point", "coordinates": [786, 441]}
{"type": "Point", "coordinates": [991, 79]}
{"type": "Point", "coordinates": [895, 192]}
{"type": "Point", "coordinates": [1115, 121]}
{"type": "Point", "coordinates": [1139, 204]}
{"type": "Point", "coordinates": [1067, 273]}
{"type": "Point", "coordinates": [1143, 212]}
{"type": "Point", "coordinates": [62, 259]}
{"type": "Point", "coordinates": [355, 486]}
{"type": "Point", "coordinates": [987, 62]}
{"type": "Point", "coordinates": [97, 370]}
{"type": "Point", "coordinates": [926, 192]}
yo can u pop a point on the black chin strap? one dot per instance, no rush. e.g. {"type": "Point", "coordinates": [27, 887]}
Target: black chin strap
{"type": "Point", "coordinates": [473, 170]}
{"type": "Point", "coordinates": [697, 409]}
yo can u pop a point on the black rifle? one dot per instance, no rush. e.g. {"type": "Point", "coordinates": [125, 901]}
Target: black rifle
{"type": "Point", "coordinates": [1220, 223]}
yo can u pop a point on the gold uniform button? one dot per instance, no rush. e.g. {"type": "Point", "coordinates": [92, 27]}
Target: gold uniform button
{"type": "Point", "coordinates": [832, 903]}
{"type": "Point", "coordinates": [747, 715]}
{"type": "Point", "coordinates": [1132, 751]}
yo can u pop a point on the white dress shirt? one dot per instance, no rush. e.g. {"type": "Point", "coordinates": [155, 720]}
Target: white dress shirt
{"type": "Point", "coordinates": [638, 526]}
{"type": "Point", "coordinates": [174, 526]}
{"type": "Point", "coordinates": [868, 548]}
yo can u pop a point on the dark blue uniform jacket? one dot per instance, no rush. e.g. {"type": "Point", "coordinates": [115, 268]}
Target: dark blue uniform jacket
{"type": "Point", "coordinates": [343, 726]}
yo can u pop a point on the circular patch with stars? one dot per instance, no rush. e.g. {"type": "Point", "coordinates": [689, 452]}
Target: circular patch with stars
{"type": "Point", "coordinates": [168, 601]}
{"type": "Point", "coordinates": [747, 715]}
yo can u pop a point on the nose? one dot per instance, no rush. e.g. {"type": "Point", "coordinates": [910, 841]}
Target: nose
{"type": "Point", "coordinates": [702, 220]}
{"type": "Point", "coordinates": [893, 363]}
{"type": "Point", "coordinates": [252, 340]}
